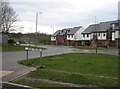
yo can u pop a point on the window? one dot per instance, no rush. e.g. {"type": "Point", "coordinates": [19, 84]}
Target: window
{"type": "Point", "coordinates": [87, 35]}
{"type": "Point", "coordinates": [71, 36]}
{"type": "Point", "coordinates": [68, 36]}
{"type": "Point", "coordinates": [98, 34]}
{"type": "Point", "coordinates": [83, 35]}
{"type": "Point", "coordinates": [103, 34]}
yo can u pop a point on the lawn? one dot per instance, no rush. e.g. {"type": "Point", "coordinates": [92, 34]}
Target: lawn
{"type": "Point", "coordinates": [77, 68]}
{"type": "Point", "coordinates": [37, 84]}
{"type": "Point", "coordinates": [88, 48]}
{"type": "Point", "coordinates": [6, 48]}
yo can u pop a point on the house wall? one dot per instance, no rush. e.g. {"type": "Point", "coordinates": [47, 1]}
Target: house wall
{"type": "Point", "coordinates": [116, 34]}
{"type": "Point", "coordinates": [70, 38]}
{"type": "Point", "coordinates": [86, 38]}
{"type": "Point", "coordinates": [73, 43]}
{"type": "Point", "coordinates": [103, 37]}
{"type": "Point", "coordinates": [78, 35]}
{"type": "Point", "coordinates": [53, 38]}
{"type": "Point", "coordinates": [100, 36]}
{"type": "Point", "coordinates": [113, 36]}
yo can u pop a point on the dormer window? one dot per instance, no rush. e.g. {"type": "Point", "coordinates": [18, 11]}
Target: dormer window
{"type": "Point", "coordinates": [68, 31]}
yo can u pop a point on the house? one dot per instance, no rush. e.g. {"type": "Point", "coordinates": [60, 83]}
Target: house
{"type": "Point", "coordinates": [63, 36]}
{"type": "Point", "coordinates": [87, 35]}
{"type": "Point", "coordinates": [68, 36]}
{"type": "Point", "coordinates": [74, 36]}
{"type": "Point", "coordinates": [54, 37]}
{"type": "Point", "coordinates": [102, 34]}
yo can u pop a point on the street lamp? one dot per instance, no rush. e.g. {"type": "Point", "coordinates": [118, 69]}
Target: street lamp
{"type": "Point", "coordinates": [36, 25]}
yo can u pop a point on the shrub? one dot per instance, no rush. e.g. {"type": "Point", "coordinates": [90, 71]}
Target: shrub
{"type": "Point", "coordinates": [11, 41]}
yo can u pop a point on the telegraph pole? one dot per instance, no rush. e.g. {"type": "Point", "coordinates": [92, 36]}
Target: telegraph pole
{"type": "Point", "coordinates": [36, 26]}
{"type": "Point", "coordinates": [96, 33]}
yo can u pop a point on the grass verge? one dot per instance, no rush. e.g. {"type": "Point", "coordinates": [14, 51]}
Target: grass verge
{"type": "Point", "coordinates": [77, 64]}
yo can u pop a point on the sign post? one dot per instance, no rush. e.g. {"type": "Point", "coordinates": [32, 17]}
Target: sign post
{"type": "Point", "coordinates": [26, 49]}
{"type": "Point", "coordinates": [40, 50]}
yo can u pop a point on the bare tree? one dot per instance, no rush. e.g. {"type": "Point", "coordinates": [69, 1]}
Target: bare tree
{"type": "Point", "coordinates": [7, 17]}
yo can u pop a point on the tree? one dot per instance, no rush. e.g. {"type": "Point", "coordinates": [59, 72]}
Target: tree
{"type": "Point", "coordinates": [7, 17]}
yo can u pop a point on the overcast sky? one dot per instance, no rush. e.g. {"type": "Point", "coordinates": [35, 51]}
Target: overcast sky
{"type": "Point", "coordinates": [63, 13]}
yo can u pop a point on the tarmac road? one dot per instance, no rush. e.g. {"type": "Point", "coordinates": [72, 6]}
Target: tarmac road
{"type": "Point", "coordinates": [9, 60]}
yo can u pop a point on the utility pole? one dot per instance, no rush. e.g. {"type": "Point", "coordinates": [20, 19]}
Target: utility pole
{"type": "Point", "coordinates": [53, 29]}
{"type": "Point", "coordinates": [36, 26]}
{"type": "Point", "coordinates": [96, 33]}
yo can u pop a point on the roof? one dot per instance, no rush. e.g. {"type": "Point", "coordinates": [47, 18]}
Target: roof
{"type": "Point", "coordinates": [74, 30]}
{"type": "Point", "coordinates": [102, 26]}
{"type": "Point", "coordinates": [90, 28]}
{"type": "Point", "coordinates": [56, 33]}
{"type": "Point", "coordinates": [64, 31]}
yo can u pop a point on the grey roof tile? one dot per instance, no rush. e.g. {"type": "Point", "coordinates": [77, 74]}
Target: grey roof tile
{"type": "Point", "coordinates": [64, 31]}
{"type": "Point", "coordinates": [102, 26]}
{"type": "Point", "coordinates": [74, 30]}
{"type": "Point", "coordinates": [56, 33]}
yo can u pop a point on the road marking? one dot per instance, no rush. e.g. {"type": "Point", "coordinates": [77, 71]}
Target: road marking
{"type": "Point", "coordinates": [5, 72]}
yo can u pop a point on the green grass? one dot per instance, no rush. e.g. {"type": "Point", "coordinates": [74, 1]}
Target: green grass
{"type": "Point", "coordinates": [88, 48]}
{"type": "Point", "coordinates": [94, 64]}
{"type": "Point", "coordinates": [36, 84]}
{"type": "Point", "coordinates": [72, 78]}
{"type": "Point", "coordinates": [6, 48]}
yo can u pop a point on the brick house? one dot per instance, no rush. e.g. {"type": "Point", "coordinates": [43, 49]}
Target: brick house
{"type": "Point", "coordinates": [55, 38]}
{"type": "Point", "coordinates": [74, 36]}
{"type": "Point", "coordinates": [68, 36]}
{"type": "Point", "coordinates": [106, 34]}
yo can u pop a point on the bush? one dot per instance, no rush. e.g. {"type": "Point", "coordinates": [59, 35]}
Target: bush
{"type": "Point", "coordinates": [11, 41]}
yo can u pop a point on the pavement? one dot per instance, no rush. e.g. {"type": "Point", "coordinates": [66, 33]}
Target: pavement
{"type": "Point", "coordinates": [10, 68]}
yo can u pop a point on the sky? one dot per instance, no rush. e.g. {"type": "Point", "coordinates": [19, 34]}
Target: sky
{"type": "Point", "coordinates": [59, 14]}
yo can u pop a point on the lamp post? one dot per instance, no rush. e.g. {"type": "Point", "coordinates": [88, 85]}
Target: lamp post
{"type": "Point", "coordinates": [36, 25]}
